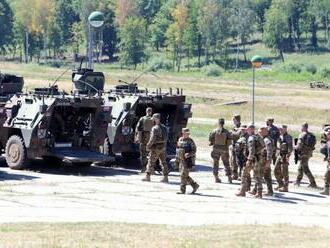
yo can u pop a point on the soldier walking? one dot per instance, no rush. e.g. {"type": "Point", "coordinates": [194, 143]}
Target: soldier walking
{"type": "Point", "coordinates": [143, 129]}
{"type": "Point", "coordinates": [274, 134]}
{"type": "Point", "coordinates": [281, 169]}
{"type": "Point", "coordinates": [235, 135]}
{"type": "Point", "coordinates": [255, 147]}
{"type": "Point", "coordinates": [186, 152]}
{"type": "Point", "coordinates": [305, 147]}
{"type": "Point", "coordinates": [220, 139]}
{"type": "Point", "coordinates": [157, 149]}
{"type": "Point", "coordinates": [241, 150]}
{"type": "Point", "coordinates": [326, 151]}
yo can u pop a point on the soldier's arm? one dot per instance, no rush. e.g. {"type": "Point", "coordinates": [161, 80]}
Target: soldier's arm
{"type": "Point", "coordinates": [152, 139]}
{"type": "Point", "coordinates": [251, 149]}
{"type": "Point", "coordinates": [193, 148]}
{"type": "Point", "coordinates": [269, 149]}
{"type": "Point", "coordinates": [290, 144]}
{"type": "Point", "coordinates": [212, 138]}
{"type": "Point", "coordinates": [139, 126]}
{"type": "Point", "coordinates": [300, 142]}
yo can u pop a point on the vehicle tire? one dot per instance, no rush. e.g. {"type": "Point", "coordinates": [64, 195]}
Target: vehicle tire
{"type": "Point", "coordinates": [107, 148]}
{"type": "Point", "coordinates": [130, 155]}
{"type": "Point", "coordinates": [16, 156]}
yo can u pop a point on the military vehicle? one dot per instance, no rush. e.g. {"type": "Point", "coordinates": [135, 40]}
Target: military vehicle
{"type": "Point", "coordinates": [46, 123]}
{"type": "Point", "coordinates": [128, 104]}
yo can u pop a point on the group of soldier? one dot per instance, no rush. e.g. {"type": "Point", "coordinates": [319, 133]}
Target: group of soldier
{"type": "Point", "coordinates": [242, 150]}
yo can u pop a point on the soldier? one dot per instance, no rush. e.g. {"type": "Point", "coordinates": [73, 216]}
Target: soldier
{"type": "Point", "coordinates": [157, 149]}
{"type": "Point", "coordinates": [281, 169]}
{"type": "Point", "coordinates": [327, 158]}
{"type": "Point", "coordinates": [241, 150]}
{"type": "Point", "coordinates": [186, 152]}
{"type": "Point", "coordinates": [255, 145]}
{"type": "Point", "coordinates": [274, 134]}
{"type": "Point", "coordinates": [305, 146]}
{"type": "Point", "coordinates": [235, 135]}
{"type": "Point", "coordinates": [220, 139]}
{"type": "Point", "coordinates": [143, 129]}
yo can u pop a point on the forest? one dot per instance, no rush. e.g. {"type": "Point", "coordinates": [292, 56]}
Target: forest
{"type": "Point", "coordinates": [162, 33]}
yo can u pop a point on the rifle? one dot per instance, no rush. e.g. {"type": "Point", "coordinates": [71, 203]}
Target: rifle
{"type": "Point", "coordinates": [296, 152]}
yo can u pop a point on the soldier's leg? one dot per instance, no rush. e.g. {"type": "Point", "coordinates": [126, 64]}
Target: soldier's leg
{"type": "Point", "coordinates": [306, 170]}
{"type": "Point", "coordinates": [285, 171]}
{"type": "Point", "coordinates": [233, 163]}
{"type": "Point", "coordinates": [216, 157]}
{"type": "Point", "coordinates": [245, 180]}
{"type": "Point", "coordinates": [268, 179]}
{"type": "Point", "coordinates": [152, 159]}
{"type": "Point", "coordinates": [183, 177]}
{"type": "Point", "coordinates": [278, 172]}
{"type": "Point", "coordinates": [143, 156]}
{"type": "Point", "coordinates": [300, 172]}
{"type": "Point", "coordinates": [163, 164]}
{"type": "Point", "coordinates": [225, 161]}
{"type": "Point", "coordinates": [258, 168]}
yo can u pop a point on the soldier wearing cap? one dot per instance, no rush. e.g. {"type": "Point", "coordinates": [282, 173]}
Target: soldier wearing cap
{"type": "Point", "coordinates": [157, 149]}
{"type": "Point", "coordinates": [274, 134]}
{"type": "Point", "coordinates": [255, 145]}
{"type": "Point", "coordinates": [186, 153]}
{"type": "Point", "coordinates": [220, 139]}
{"type": "Point", "coordinates": [305, 146]}
{"type": "Point", "coordinates": [281, 170]}
{"type": "Point", "coordinates": [143, 129]}
{"type": "Point", "coordinates": [236, 133]}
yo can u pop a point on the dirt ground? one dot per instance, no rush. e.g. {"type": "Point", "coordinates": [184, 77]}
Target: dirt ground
{"type": "Point", "coordinates": [71, 194]}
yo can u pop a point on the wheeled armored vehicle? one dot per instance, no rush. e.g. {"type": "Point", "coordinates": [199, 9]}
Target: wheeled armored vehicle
{"type": "Point", "coordinates": [128, 103]}
{"type": "Point", "coordinates": [46, 123]}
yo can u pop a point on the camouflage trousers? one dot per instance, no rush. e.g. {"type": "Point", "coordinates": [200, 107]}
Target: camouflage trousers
{"type": "Point", "coordinates": [327, 176]}
{"type": "Point", "coordinates": [154, 156]}
{"type": "Point", "coordinates": [258, 173]}
{"type": "Point", "coordinates": [184, 174]}
{"type": "Point", "coordinates": [281, 171]}
{"type": "Point", "coordinates": [143, 150]}
{"type": "Point", "coordinates": [216, 154]}
{"type": "Point", "coordinates": [267, 175]}
{"type": "Point", "coordinates": [233, 161]}
{"type": "Point", "coordinates": [304, 169]}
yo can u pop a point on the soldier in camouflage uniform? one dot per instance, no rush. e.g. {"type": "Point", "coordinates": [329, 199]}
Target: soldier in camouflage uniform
{"type": "Point", "coordinates": [305, 146]}
{"type": "Point", "coordinates": [235, 135]}
{"type": "Point", "coordinates": [142, 132]}
{"type": "Point", "coordinates": [255, 145]}
{"type": "Point", "coordinates": [281, 169]}
{"type": "Point", "coordinates": [220, 139]}
{"type": "Point", "coordinates": [326, 140]}
{"type": "Point", "coordinates": [186, 152]}
{"type": "Point", "coordinates": [241, 150]}
{"type": "Point", "coordinates": [274, 134]}
{"type": "Point", "coordinates": [157, 149]}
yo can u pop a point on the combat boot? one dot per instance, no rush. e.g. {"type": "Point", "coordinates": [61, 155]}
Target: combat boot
{"type": "Point", "coordinates": [217, 179]}
{"type": "Point", "coordinates": [235, 176]}
{"type": "Point", "coordinates": [325, 191]}
{"type": "Point", "coordinates": [312, 185]}
{"type": "Point", "coordinates": [164, 180]}
{"type": "Point", "coordinates": [297, 183]}
{"type": "Point", "coordinates": [230, 180]}
{"type": "Point", "coordinates": [241, 193]}
{"type": "Point", "coordinates": [146, 178]}
{"type": "Point", "coordinates": [253, 192]}
{"type": "Point", "coordinates": [182, 190]}
{"type": "Point", "coordinates": [259, 194]}
{"type": "Point", "coordinates": [279, 186]}
{"type": "Point", "coordinates": [269, 193]}
{"type": "Point", "coordinates": [195, 187]}
{"type": "Point", "coordinates": [284, 189]}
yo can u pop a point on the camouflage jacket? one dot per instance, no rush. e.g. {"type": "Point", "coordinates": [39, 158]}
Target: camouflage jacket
{"type": "Point", "coordinates": [241, 146]}
{"type": "Point", "coordinates": [255, 147]}
{"type": "Point", "coordinates": [274, 134]}
{"type": "Point", "coordinates": [158, 137]}
{"type": "Point", "coordinates": [220, 138]}
{"type": "Point", "coordinates": [145, 124]}
{"type": "Point", "coordinates": [285, 144]}
{"type": "Point", "coordinates": [302, 145]}
{"type": "Point", "coordinates": [186, 146]}
{"type": "Point", "coordinates": [268, 150]}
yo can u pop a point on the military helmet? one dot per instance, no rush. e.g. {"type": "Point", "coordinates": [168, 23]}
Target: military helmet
{"type": "Point", "coordinates": [186, 130]}
{"type": "Point", "coordinates": [156, 116]}
{"type": "Point", "coordinates": [221, 121]}
{"type": "Point", "coordinates": [305, 125]}
{"type": "Point", "coordinates": [237, 117]}
{"type": "Point", "coordinates": [270, 119]}
{"type": "Point", "coordinates": [149, 109]}
{"type": "Point", "coordinates": [251, 126]}
{"type": "Point", "coordinates": [285, 126]}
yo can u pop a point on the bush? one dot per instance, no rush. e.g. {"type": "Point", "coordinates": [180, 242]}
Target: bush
{"type": "Point", "coordinates": [212, 70]}
{"type": "Point", "coordinates": [311, 68]}
{"type": "Point", "coordinates": [325, 73]}
{"type": "Point", "coordinates": [160, 64]}
{"type": "Point", "coordinates": [289, 68]}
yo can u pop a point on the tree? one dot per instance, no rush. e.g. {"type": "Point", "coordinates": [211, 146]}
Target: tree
{"type": "Point", "coordinates": [125, 9]}
{"type": "Point", "coordinates": [6, 26]}
{"type": "Point", "coordinates": [132, 41]}
{"type": "Point", "coordinates": [260, 7]}
{"type": "Point", "coordinates": [276, 26]}
{"type": "Point", "coordinates": [148, 9]}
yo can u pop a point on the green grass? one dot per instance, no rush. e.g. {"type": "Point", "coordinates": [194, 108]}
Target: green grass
{"type": "Point", "coordinates": [142, 235]}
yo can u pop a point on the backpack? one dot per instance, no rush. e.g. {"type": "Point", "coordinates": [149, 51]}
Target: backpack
{"type": "Point", "coordinates": [310, 140]}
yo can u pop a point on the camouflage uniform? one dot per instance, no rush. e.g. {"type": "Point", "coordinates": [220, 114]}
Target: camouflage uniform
{"type": "Point", "coordinates": [274, 134]}
{"type": "Point", "coordinates": [255, 147]}
{"type": "Point", "coordinates": [220, 139]}
{"type": "Point", "coordinates": [232, 148]}
{"type": "Point", "coordinates": [281, 169]}
{"type": "Point", "coordinates": [325, 146]}
{"type": "Point", "coordinates": [184, 146]}
{"type": "Point", "coordinates": [306, 152]}
{"type": "Point", "coordinates": [241, 153]}
{"type": "Point", "coordinates": [143, 129]}
{"type": "Point", "coordinates": [157, 149]}
{"type": "Point", "coordinates": [267, 156]}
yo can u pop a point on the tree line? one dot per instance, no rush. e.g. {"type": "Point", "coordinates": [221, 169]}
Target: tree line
{"type": "Point", "coordinates": [200, 31]}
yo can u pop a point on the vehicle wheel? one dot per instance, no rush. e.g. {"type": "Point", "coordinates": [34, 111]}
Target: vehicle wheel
{"type": "Point", "coordinates": [107, 148]}
{"type": "Point", "coordinates": [16, 156]}
{"type": "Point", "coordinates": [130, 155]}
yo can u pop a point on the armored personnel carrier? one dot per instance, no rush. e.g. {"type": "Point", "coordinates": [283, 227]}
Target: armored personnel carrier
{"type": "Point", "coordinates": [46, 123]}
{"type": "Point", "coordinates": [128, 103]}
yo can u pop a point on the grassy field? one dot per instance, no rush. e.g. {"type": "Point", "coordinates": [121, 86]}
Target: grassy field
{"type": "Point", "coordinates": [138, 235]}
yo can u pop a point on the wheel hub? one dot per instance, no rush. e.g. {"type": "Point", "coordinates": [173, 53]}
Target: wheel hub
{"type": "Point", "coordinates": [14, 153]}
